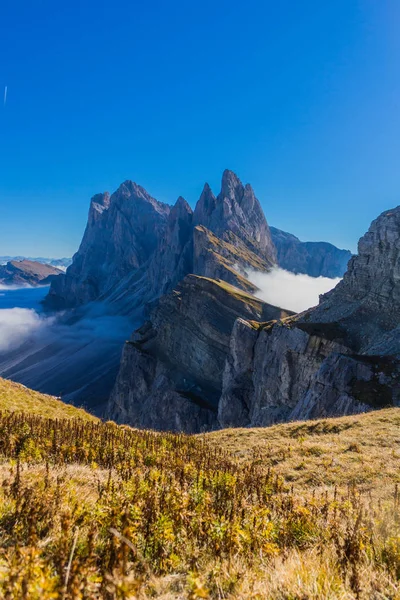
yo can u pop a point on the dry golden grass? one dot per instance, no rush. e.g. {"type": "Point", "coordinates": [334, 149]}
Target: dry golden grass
{"type": "Point", "coordinates": [361, 450]}
{"type": "Point", "coordinates": [297, 511]}
{"type": "Point", "coordinates": [17, 397]}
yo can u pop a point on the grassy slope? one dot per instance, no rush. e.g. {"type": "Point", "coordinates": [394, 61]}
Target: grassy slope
{"type": "Point", "coordinates": [363, 450]}
{"type": "Point", "coordinates": [201, 516]}
{"type": "Point", "coordinates": [16, 397]}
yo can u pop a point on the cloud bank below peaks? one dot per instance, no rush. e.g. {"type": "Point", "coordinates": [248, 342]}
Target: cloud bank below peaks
{"type": "Point", "coordinates": [288, 290]}
{"type": "Point", "coordinates": [18, 325]}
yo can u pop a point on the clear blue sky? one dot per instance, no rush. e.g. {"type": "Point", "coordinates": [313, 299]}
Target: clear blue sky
{"type": "Point", "coordinates": [301, 99]}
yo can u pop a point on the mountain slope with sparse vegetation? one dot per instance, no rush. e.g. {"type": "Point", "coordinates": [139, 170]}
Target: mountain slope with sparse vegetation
{"type": "Point", "coordinates": [95, 510]}
{"type": "Point", "coordinates": [17, 397]}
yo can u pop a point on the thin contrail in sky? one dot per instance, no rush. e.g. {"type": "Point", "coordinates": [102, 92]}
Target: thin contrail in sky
{"type": "Point", "coordinates": [5, 95]}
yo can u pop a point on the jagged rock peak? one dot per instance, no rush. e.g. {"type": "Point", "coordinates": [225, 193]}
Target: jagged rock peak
{"type": "Point", "coordinates": [122, 232]}
{"type": "Point", "coordinates": [98, 204]}
{"type": "Point", "coordinates": [236, 209]}
{"type": "Point", "coordinates": [205, 206]}
{"type": "Point", "coordinates": [231, 186]}
{"type": "Point", "coordinates": [181, 207]}
{"type": "Point", "coordinates": [129, 190]}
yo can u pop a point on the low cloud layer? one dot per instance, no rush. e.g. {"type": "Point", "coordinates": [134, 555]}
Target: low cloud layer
{"type": "Point", "coordinates": [287, 290]}
{"type": "Point", "coordinates": [76, 358]}
{"type": "Point", "coordinates": [18, 325]}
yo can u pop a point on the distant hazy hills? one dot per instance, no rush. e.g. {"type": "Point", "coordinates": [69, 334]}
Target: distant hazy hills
{"type": "Point", "coordinates": [60, 263]}
{"type": "Point", "coordinates": [27, 272]}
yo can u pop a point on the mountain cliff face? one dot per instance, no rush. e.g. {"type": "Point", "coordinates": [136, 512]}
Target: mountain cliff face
{"type": "Point", "coordinates": [366, 303]}
{"type": "Point", "coordinates": [123, 230]}
{"type": "Point", "coordinates": [135, 248]}
{"type": "Point", "coordinates": [200, 363]}
{"type": "Point", "coordinates": [206, 352]}
{"type": "Point", "coordinates": [312, 258]}
{"type": "Point", "coordinates": [341, 357]}
{"type": "Point", "coordinates": [171, 369]}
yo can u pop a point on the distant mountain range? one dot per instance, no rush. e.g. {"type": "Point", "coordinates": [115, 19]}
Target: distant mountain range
{"type": "Point", "coordinates": [27, 273]}
{"type": "Point", "coordinates": [60, 263]}
{"type": "Point", "coordinates": [313, 258]}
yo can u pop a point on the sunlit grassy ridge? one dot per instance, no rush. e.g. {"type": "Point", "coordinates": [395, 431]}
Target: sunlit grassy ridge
{"type": "Point", "coordinates": [362, 450]}
{"type": "Point", "coordinates": [94, 510]}
{"type": "Point", "coordinates": [17, 397]}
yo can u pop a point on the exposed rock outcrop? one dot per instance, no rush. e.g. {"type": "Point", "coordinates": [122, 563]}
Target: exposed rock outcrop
{"type": "Point", "coordinates": [123, 230]}
{"type": "Point", "coordinates": [236, 209]}
{"type": "Point", "coordinates": [312, 258]}
{"type": "Point", "coordinates": [173, 258]}
{"type": "Point", "coordinates": [171, 371]}
{"type": "Point", "coordinates": [227, 258]}
{"type": "Point", "coordinates": [341, 357]}
{"type": "Point", "coordinates": [200, 354]}
{"type": "Point", "coordinates": [366, 302]}
{"type": "Point", "coordinates": [27, 272]}
{"type": "Point", "coordinates": [211, 354]}
{"type": "Point", "coordinates": [135, 248]}
{"type": "Point", "coordinates": [280, 359]}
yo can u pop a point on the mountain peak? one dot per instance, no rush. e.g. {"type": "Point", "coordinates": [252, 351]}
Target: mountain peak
{"type": "Point", "coordinates": [236, 209]}
{"type": "Point", "coordinates": [182, 207]}
{"type": "Point", "coordinates": [205, 206]}
{"type": "Point", "coordinates": [130, 188]}
{"type": "Point", "coordinates": [231, 184]}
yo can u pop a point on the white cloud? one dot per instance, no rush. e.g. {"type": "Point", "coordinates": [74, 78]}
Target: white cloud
{"type": "Point", "coordinates": [8, 288]}
{"type": "Point", "coordinates": [287, 290]}
{"type": "Point", "coordinates": [18, 325]}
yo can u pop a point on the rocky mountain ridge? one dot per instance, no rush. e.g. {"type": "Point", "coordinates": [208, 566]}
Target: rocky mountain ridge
{"type": "Point", "coordinates": [341, 357]}
{"type": "Point", "coordinates": [172, 368]}
{"type": "Point", "coordinates": [311, 258]}
{"type": "Point", "coordinates": [136, 248]}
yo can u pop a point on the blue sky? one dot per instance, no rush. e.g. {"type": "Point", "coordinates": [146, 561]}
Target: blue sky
{"type": "Point", "coordinates": [301, 99]}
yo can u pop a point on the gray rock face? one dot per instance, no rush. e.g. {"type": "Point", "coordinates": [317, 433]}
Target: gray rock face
{"type": "Point", "coordinates": [281, 360]}
{"type": "Point", "coordinates": [312, 258]}
{"type": "Point", "coordinates": [135, 248]}
{"type": "Point", "coordinates": [236, 209]}
{"type": "Point", "coordinates": [341, 357]}
{"type": "Point", "coordinates": [200, 348]}
{"type": "Point", "coordinates": [173, 258]}
{"type": "Point", "coordinates": [123, 230]}
{"type": "Point", "coordinates": [213, 355]}
{"type": "Point", "coordinates": [366, 303]}
{"type": "Point", "coordinates": [171, 372]}
{"type": "Point", "coordinates": [349, 385]}
{"type": "Point", "coordinates": [227, 258]}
